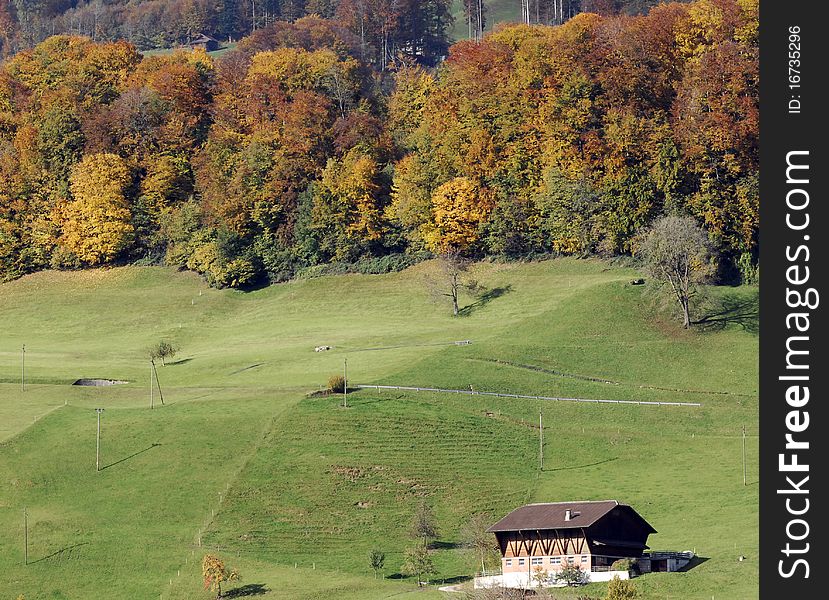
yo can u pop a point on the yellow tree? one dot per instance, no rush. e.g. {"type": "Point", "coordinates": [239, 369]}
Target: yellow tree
{"type": "Point", "coordinates": [346, 210]}
{"type": "Point", "coordinates": [215, 572]}
{"type": "Point", "coordinates": [167, 182]}
{"type": "Point", "coordinates": [97, 222]}
{"type": "Point", "coordinates": [459, 208]}
{"type": "Point", "coordinates": [411, 196]}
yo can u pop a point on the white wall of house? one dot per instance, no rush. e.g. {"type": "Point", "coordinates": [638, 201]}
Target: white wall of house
{"type": "Point", "coordinates": [525, 580]}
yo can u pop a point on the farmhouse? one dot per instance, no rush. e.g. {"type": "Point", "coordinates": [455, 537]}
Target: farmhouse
{"type": "Point", "coordinates": [538, 540]}
{"type": "Point", "coordinates": [205, 42]}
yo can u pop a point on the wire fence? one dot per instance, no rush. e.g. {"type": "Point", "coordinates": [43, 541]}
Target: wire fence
{"type": "Point", "coordinates": [523, 396]}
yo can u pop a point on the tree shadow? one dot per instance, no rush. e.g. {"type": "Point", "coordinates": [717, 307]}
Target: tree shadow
{"type": "Point", "coordinates": [732, 309]}
{"type": "Point", "coordinates": [117, 462]}
{"type": "Point", "coordinates": [456, 579]}
{"type": "Point", "coordinates": [180, 361]}
{"type": "Point", "coordinates": [438, 545]}
{"type": "Point", "coordinates": [248, 368]}
{"type": "Point", "coordinates": [59, 552]}
{"type": "Point", "coordinates": [251, 589]}
{"type": "Point", "coordinates": [593, 464]}
{"type": "Point", "coordinates": [483, 299]}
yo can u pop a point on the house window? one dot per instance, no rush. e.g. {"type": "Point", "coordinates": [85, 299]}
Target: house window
{"type": "Point", "coordinates": [555, 560]}
{"type": "Point", "coordinates": [584, 559]}
{"type": "Point", "coordinates": [537, 561]}
{"type": "Point", "coordinates": [520, 561]}
{"type": "Point", "coordinates": [509, 562]}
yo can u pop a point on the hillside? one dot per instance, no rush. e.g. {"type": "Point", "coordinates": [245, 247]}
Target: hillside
{"type": "Point", "coordinates": [509, 11]}
{"type": "Point", "coordinates": [295, 490]}
{"type": "Point", "coordinates": [298, 149]}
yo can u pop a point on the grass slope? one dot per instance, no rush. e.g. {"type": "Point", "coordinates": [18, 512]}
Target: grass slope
{"type": "Point", "coordinates": [497, 11]}
{"type": "Point", "coordinates": [295, 490]}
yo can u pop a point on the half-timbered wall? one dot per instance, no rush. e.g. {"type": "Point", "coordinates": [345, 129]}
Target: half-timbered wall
{"type": "Point", "coordinates": [549, 542]}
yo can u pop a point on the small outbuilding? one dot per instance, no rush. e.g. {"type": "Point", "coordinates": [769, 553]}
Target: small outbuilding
{"type": "Point", "coordinates": [538, 540]}
{"type": "Point", "coordinates": [205, 42]}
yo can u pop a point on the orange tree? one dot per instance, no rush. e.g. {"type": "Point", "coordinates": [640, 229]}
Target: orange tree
{"type": "Point", "coordinates": [215, 572]}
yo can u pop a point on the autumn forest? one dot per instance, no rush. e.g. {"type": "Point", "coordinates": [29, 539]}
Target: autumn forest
{"type": "Point", "coordinates": [317, 144]}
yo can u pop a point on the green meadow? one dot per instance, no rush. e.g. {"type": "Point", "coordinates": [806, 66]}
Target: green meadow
{"type": "Point", "coordinates": [246, 461]}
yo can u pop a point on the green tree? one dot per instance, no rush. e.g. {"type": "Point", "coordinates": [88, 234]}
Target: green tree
{"type": "Point", "coordinates": [570, 574]}
{"type": "Point", "coordinates": [677, 253]}
{"type": "Point", "coordinates": [424, 526]}
{"type": "Point", "coordinates": [376, 561]}
{"type": "Point", "coordinates": [418, 562]}
{"type": "Point", "coordinates": [162, 350]}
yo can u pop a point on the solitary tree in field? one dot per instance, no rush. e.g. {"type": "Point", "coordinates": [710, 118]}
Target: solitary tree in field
{"type": "Point", "coordinates": [453, 279]}
{"type": "Point", "coordinates": [162, 350]}
{"type": "Point", "coordinates": [215, 572]}
{"type": "Point", "coordinates": [424, 526]}
{"type": "Point", "coordinates": [376, 560]}
{"type": "Point", "coordinates": [477, 539]}
{"type": "Point", "coordinates": [677, 253]}
{"type": "Point", "coordinates": [418, 562]}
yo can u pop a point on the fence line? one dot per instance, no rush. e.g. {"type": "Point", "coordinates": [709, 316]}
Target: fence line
{"type": "Point", "coordinates": [523, 396]}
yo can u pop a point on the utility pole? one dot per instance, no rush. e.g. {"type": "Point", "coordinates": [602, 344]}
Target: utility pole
{"type": "Point", "coordinates": [745, 482]}
{"type": "Point", "coordinates": [152, 370]}
{"type": "Point", "coordinates": [98, 441]}
{"type": "Point", "coordinates": [23, 369]}
{"type": "Point", "coordinates": [25, 536]}
{"type": "Point", "coordinates": [540, 442]}
{"type": "Point", "coordinates": [345, 383]}
{"type": "Point", "coordinates": [160, 394]}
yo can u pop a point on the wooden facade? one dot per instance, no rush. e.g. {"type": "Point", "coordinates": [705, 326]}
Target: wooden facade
{"type": "Point", "coordinates": [545, 542]}
{"type": "Point", "coordinates": [205, 42]}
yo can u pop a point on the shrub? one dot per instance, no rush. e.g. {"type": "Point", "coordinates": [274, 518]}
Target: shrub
{"type": "Point", "coordinates": [336, 384]}
{"type": "Point", "coordinates": [570, 574]}
{"type": "Point", "coordinates": [621, 589]}
{"type": "Point", "coordinates": [625, 564]}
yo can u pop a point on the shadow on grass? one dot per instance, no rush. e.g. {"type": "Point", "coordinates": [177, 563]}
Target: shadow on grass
{"type": "Point", "coordinates": [126, 458]}
{"type": "Point", "coordinates": [59, 552]}
{"type": "Point", "coordinates": [251, 589]}
{"type": "Point", "coordinates": [732, 309]}
{"type": "Point", "coordinates": [456, 579]}
{"type": "Point", "coordinates": [695, 562]}
{"type": "Point", "coordinates": [438, 545]}
{"type": "Point", "coordinates": [362, 402]}
{"type": "Point", "coordinates": [484, 298]}
{"type": "Point", "coordinates": [593, 464]}
{"type": "Point", "coordinates": [180, 361]}
{"type": "Point", "coordinates": [248, 368]}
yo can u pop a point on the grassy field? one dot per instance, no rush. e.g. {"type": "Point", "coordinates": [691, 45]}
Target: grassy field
{"type": "Point", "coordinates": [295, 490]}
{"type": "Point", "coordinates": [497, 11]}
{"type": "Point", "coordinates": [225, 48]}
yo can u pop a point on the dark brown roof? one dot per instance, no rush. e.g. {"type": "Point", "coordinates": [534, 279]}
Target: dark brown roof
{"type": "Point", "coordinates": [203, 39]}
{"type": "Point", "coordinates": [553, 515]}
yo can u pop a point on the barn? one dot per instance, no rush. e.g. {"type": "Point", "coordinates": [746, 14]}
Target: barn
{"type": "Point", "coordinates": [205, 42]}
{"type": "Point", "coordinates": [538, 540]}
